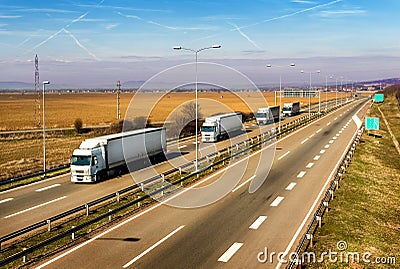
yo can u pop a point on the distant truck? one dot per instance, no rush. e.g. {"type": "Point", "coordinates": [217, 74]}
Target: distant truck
{"type": "Point", "coordinates": [291, 109]}
{"type": "Point", "coordinates": [267, 115]}
{"type": "Point", "coordinates": [101, 157]}
{"type": "Point", "coordinates": [217, 127]}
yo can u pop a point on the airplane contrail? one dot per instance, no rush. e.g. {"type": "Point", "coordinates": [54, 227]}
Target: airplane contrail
{"type": "Point", "coordinates": [245, 36]}
{"type": "Point", "coordinates": [80, 44]}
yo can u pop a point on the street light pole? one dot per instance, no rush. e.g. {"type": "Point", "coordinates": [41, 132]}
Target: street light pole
{"type": "Point", "coordinates": [196, 90]}
{"type": "Point", "coordinates": [280, 94]}
{"type": "Point", "coordinates": [309, 92]}
{"type": "Point", "coordinates": [44, 127]}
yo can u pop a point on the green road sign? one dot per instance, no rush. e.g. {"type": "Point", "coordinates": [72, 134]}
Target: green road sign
{"type": "Point", "coordinates": [371, 123]}
{"type": "Point", "coordinates": [379, 97]}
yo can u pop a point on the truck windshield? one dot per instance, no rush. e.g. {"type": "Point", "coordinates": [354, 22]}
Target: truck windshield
{"type": "Point", "coordinates": [287, 109]}
{"type": "Point", "coordinates": [207, 129]}
{"type": "Point", "coordinates": [261, 115]}
{"type": "Point", "coordinates": [80, 160]}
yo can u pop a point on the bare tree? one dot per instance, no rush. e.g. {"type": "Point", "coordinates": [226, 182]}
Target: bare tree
{"type": "Point", "coordinates": [189, 111]}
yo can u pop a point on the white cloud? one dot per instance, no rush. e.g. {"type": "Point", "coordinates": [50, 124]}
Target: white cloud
{"type": "Point", "coordinates": [341, 13]}
{"type": "Point", "coordinates": [111, 26]}
{"type": "Point", "coordinates": [245, 36]}
{"type": "Point", "coordinates": [304, 2]}
{"type": "Point", "coordinates": [10, 17]}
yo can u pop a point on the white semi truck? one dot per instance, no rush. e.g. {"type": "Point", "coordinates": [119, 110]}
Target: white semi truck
{"type": "Point", "coordinates": [291, 109]}
{"type": "Point", "coordinates": [101, 157]}
{"type": "Point", "coordinates": [267, 115]}
{"type": "Point", "coordinates": [217, 127]}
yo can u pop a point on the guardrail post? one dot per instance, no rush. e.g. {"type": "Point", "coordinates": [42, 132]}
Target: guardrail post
{"type": "Point", "coordinates": [24, 257]}
{"type": "Point", "coordinates": [331, 193]}
{"type": "Point", "coordinates": [142, 186]}
{"type": "Point", "coordinates": [109, 217]}
{"type": "Point", "coordinates": [237, 146]}
{"type": "Point", "coordinates": [326, 204]}
{"type": "Point", "coordinates": [73, 234]}
{"type": "Point", "coordinates": [310, 237]}
{"type": "Point", "coordinates": [117, 194]}
{"type": "Point", "coordinates": [163, 177]}
{"type": "Point", "coordinates": [87, 209]}
{"type": "Point", "coordinates": [319, 219]}
{"type": "Point", "coordinates": [180, 170]}
{"type": "Point", "coordinates": [336, 184]}
{"type": "Point", "coordinates": [48, 225]}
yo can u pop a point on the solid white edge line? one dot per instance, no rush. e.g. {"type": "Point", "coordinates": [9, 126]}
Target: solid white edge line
{"type": "Point", "coordinates": [230, 252]}
{"type": "Point", "coordinates": [153, 246]}
{"type": "Point", "coordinates": [48, 187]}
{"type": "Point", "coordinates": [294, 238]}
{"type": "Point", "coordinates": [283, 156]}
{"type": "Point", "coordinates": [257, 223]}
{"type": "Point", "coordinates": [6, 200]}
{"type": "Point", "coordinates": [277, 201]}
{"type": "Point", "coordinates": [244, 183]}
{"type": "Point", "coordinates": [291, 186]}
{"type": "Point", "coordinates": [170, 198]}
{"type": "Point", "coordinates": [34, 207]}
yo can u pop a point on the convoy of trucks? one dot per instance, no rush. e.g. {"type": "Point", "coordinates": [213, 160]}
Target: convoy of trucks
{"type": "Point", "coordinates": [291, 109]}
{"type": "Point", "coordinates": [101, 157]}
{"type": "Point", "coordinates": [217, 127]}
{"type": "Point", "coordinates": [267, 115]}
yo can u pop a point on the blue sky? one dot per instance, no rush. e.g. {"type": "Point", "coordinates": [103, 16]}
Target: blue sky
{"type": "Point", "coordinates": [99, 42]}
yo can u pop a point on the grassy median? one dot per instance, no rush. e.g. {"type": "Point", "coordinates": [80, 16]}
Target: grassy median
{"type": "Point", "coordinates": [365, 212]}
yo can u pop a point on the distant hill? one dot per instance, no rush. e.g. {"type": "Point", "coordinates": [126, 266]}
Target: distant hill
{"type": "Point", "coordinates": [16, 85]}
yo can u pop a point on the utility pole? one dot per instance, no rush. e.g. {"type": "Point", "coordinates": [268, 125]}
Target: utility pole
{"type": "Point", "coordinates": [118, 99]}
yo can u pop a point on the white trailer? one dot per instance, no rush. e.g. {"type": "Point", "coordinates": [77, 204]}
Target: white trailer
{"type": "Point", "coordinates": [267, 115]}
{"type": "Point", "coordinates": [291, 109]}
{"type": "Point", "coordinates": [101, 157]}
{"type": "Point", "coordinates": [217, 127]}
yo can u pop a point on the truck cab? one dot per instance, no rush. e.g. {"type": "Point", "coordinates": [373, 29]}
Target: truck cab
{"type": "Point", "coordinates": [86, 165]}
{"type": "Point", "coordinates": [263, 116]}
{"type": "Point", "coordinates": [210, 131]}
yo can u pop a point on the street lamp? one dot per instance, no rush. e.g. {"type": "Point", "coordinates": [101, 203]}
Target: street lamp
{"type": "Point", "coordinates": [326, 92]}
{"type": "Point", "coordinates": [196, 52]}
{"type": "Point", "coordinates": [309, 92]}
{"type": "Point", "coordinates": [44, 128]}
{"type": "Point", "coordinates": [280, 93]}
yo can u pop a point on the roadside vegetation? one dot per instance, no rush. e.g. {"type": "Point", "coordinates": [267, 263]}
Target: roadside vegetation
{"type": "Point", "coordinates": [365, 212]}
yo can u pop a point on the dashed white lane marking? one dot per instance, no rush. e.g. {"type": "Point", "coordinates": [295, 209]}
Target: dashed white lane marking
{"type": "Point", "coordinates": [257, 223]}
{"type": "Point", "coordinates": [6, 200]}
{"type": "Point", "coordinates": [153, 246]}
{"type": "Point", "coordinates": [277, 201]}
{"type": "Point", "coordinates": [329, 123]}
{"type": "Point", "coordinates": [316, 158]}
{"type": "Point", "coordinates": [327, 146]}
{"type": "Point", "coordinates": [331, 141]}
{"type": "Point", "coordinates": [182, 147]}
{"type": "Point", "coordinates": [244, 183]}
{"type": "Point", "coordinates": [34, 207]}
{"type": "Point", "coordinates": [48, 187]}
{"type": "Point", "coordinates": [337, 135]}
{"type": "Point", "coordinates": [304, 141]}
{"type": "Point", "coordinates": [301, 174]}
{"type": "Point", "coordinates": [283, 156]}
{"type": "Point", "coordinates": [230, 252]}
{"type": "Point", "coordinates": [335, 118]}
{"type": "Point", "coordinates": [319, 130]}
{"type": "Point", "coordinates": [311, 136]}
{"type": "Point", "coordinates": [310, 165]}
{"type": "Point", "coordinates": [334, 138]}
{"type": "Point", "coordinates": [322, 151]}
{"type": "Point", "coordinates": [291, 186]}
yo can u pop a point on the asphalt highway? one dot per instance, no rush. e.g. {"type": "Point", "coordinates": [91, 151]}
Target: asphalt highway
{"type": "Point", "coordinates": [241, 230]}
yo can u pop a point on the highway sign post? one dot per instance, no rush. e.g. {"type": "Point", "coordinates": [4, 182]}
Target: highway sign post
{"type": "Point", "coordinates": [379, 97]}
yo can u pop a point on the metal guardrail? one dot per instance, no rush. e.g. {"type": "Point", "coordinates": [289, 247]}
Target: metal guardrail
{"type": "Point", "coordinates": [307, 239]}
{"type": "Point", "coordinates": [248, 144]}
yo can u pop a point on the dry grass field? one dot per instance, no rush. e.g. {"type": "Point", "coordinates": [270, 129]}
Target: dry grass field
{"type": "Point", "coordinates": [17, 110]}
{"type": "Point", "coordinates": [23, 154]}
